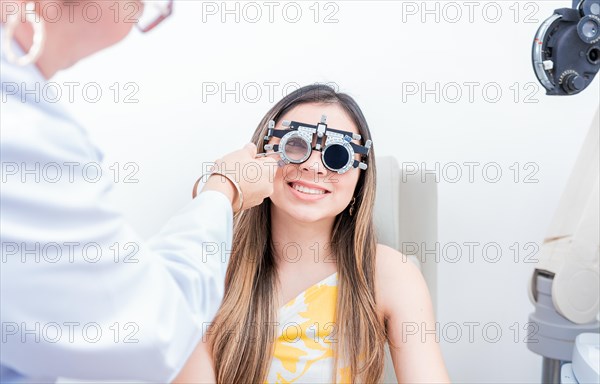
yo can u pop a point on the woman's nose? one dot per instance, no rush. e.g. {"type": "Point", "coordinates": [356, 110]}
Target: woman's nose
{"type": "Point", "coordinates": [314, 164]}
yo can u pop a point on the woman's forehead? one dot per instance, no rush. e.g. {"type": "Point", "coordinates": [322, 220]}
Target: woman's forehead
{"type": "Point", "coordinates": [310, 113]}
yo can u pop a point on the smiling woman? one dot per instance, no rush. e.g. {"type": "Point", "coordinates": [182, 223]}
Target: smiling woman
{"type": "Point", "coordinates": [310, 296]}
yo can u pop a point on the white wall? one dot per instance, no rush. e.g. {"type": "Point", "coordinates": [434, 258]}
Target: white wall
{"type": "Point", "coordinates": [372, 53]}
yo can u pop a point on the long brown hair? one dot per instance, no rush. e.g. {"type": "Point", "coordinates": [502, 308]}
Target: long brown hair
{"type": "Point", "coordinates": [244, 330]}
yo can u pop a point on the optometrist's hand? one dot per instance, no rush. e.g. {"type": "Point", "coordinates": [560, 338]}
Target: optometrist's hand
{"type": "Point", "coordinates": [254, 177]}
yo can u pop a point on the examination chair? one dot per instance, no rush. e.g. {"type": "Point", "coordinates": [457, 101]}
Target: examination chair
{"type": "Point", "coordinates": [405, 218]}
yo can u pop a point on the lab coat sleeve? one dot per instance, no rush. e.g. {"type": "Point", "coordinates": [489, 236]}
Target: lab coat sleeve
{"type": "Point", "coordinates": [83, 296]}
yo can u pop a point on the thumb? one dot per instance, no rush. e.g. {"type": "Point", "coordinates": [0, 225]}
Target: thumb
{"type": "Point", "coordinates": [251, 148]}
{"type": "Point", "coordinates": [269, 159]}
{"type": "Point", "coordinates": [270, 164]}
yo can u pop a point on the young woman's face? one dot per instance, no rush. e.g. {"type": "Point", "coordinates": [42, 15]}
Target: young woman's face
{"type": "Point", "coordinates": [309, 192]}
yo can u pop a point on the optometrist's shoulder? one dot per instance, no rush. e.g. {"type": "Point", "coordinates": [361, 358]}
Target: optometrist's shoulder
{"type": "Point", "coordinates": [70, 260]}
{"type": "Point", "coordinates": [403, 298]}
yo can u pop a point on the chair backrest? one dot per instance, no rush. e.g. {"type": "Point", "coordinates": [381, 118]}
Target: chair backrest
{"type": "Point", "coordinates": [405, 218]}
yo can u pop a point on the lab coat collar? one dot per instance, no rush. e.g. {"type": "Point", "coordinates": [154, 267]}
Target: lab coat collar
{"type": "Point", "coordinates": [21, 80]}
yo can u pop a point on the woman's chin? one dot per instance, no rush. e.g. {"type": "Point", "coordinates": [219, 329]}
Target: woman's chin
{"type": "Point", "coordinates": [308, 215]}
{"type": "Point", "coordinates": [304, 211]}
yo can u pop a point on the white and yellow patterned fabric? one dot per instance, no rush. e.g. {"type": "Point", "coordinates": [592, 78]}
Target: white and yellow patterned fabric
{"type": "Point", "coordinates": [306, 337]}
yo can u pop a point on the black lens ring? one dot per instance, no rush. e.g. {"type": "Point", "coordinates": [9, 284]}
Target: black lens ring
{"type": "Point", "coordinates": [582, 23]}
{"type": "Point", "coordinates": [593, 55]}
{"type": "Point", "coordinates": [589, 7]}
{"type": "Point", "coordinates": [341, 166]}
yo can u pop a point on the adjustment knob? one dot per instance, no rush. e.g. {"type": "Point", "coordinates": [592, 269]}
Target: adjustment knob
{"type": "Point", "coordinates": [573, 83]}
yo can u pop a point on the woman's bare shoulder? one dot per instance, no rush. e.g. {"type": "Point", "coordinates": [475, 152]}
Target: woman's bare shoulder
{"type": "Point", "coordinates": [398, 280]}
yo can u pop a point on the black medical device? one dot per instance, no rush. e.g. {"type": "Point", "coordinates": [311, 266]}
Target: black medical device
{"type": "Point", "coordinates": [566, 49]}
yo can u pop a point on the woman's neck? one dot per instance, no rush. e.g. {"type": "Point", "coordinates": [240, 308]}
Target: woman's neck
{"type": "Point", "coordinates": [303, 246]}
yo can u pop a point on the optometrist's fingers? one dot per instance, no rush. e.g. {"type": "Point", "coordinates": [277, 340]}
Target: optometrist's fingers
{"type": "Point", "coordinates": [259, 155]}
{"type": "Point", "coordinates": [259, 183]}
{"type": "Point", "coordinates": [251, 148]}
{"type": "Point", "coordinates": [254, 176]}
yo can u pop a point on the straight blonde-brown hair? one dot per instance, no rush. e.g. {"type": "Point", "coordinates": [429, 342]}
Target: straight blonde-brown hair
{"type": "Point", "coordinates": [244, 330]}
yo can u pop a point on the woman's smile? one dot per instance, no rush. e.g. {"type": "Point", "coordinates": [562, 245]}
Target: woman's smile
{"type": "Point", "coordinates": [305, 191]}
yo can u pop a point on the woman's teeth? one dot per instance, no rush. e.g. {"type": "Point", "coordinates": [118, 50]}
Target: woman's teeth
{"type": "Point", "coordinates": [310, 191]}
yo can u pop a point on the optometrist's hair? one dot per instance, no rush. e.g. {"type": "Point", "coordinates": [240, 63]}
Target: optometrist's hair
{"type": "Point", "coordinates": [243, 332]}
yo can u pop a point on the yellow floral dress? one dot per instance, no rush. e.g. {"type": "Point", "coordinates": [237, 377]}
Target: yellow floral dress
{"type": "Point", "coordinates": [306, 336]}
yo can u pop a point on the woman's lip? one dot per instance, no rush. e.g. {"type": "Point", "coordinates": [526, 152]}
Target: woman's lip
{"type": "Point", "coordinates": [305, 196]}
{"type": "Point", "coordinates": [308, 185]}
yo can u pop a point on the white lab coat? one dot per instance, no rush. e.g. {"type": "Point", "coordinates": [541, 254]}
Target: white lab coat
{"type": "Point", "coordinates": [80, 315]}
